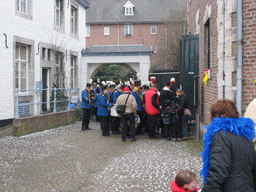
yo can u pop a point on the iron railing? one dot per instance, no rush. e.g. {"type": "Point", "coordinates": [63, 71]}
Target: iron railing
{"type": "Point", "coordinates": [37, 95]}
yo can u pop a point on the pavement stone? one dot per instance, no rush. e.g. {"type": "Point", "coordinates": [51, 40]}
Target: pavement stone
{"type": "Point", "coordinates": [68, 159]}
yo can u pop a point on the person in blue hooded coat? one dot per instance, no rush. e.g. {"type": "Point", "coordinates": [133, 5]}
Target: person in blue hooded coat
{"type": "Point", "coordinates": [103, 111]}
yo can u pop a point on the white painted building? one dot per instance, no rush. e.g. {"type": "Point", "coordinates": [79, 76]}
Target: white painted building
{"type": "Point", "coordinates": [38, 39]}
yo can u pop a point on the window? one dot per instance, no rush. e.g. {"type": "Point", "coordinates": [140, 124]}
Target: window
{"type": "Point", "coordinates": [88, 30]}
{"type": "Point", "coordinates": [21, 67]}
{"type": "Point", "coordinates": [59, 15]}
{"type": "Point", "coordinates": [59, 70]}
{"type": "Point", "coordinates": [106, 30]}
{"type": "Point", "coordinates": [128, 30]}
{"type": "Point", "coordinates": [73, 20]}
{"type": "Point", "coordinates": [154, 48]}
{"type": "Point", "coordinates": [207, 44]}
{"type": "Point", "coordinates": [43, 53]}
{"type": "Point", "coordinates": [128, 9]}
{"type": "Point", "coordinates": [22, 6]}
{"type": "Point", "coordinates": [73, 71]}
{"type": "Point", "coordinates": [153, 29]}
{"type": "Point", "coordinates": [49, 54]}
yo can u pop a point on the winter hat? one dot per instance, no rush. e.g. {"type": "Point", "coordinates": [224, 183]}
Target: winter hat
{"type": "Point", "coordinates": [172, 81]}
{"type": "Point", "coordinates": [126, 89]}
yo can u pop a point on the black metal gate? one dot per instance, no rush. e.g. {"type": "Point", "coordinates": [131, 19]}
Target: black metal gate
{"type": "Point", "coordinates": [190, 71]}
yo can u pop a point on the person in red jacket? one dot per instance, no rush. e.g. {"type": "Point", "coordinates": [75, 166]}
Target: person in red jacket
{"type": "Point", "coordinates": [152, 109]}
{"type": "Point", "coordinates": [185, 181]}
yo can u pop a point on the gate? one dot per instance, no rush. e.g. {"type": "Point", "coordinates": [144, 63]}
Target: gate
{"type": "Point", "coordinates": [190, 71]}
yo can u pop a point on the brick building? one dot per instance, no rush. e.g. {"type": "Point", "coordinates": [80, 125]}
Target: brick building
{"type": "Point", "coordinates": [158, 25]}
{"type": "Point", "coordinates": [227, 47]}
{"type": "Point", "coordinates": [39, 38]}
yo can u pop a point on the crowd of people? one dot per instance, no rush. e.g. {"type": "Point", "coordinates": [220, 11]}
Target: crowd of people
{"type": "Point", "coordinates": [229, 156]}
{"type": "Point", "coordinates": [148, 110]}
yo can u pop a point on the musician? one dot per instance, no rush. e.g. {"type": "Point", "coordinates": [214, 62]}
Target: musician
{"type": "Point", "coordinates": [103, 111]}
{"type": "Point", "coordinates": [139, 99]}
{"type": "Point", "coordinates": [87, 101]}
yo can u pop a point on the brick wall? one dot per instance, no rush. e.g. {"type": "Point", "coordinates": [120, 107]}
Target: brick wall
{"type": "Point", "coordinates": [168, 36]}
{"type": "Point", "coordinates": [249, 52]}
{"type": "Point", "coordinates": [209, 92]}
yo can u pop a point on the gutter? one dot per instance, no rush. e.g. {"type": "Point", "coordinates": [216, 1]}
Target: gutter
{"type": "Point", "coordinates": [239, 57]}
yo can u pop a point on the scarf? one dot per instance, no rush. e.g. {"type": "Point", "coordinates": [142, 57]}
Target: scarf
{"type": "Point", "coordinates": [238, 126]}
{"type": "Point", "coordinates": [137, 90]}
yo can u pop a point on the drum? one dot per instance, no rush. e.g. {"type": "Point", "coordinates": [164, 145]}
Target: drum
{"type": "Point", "coordinates": [113, 112]}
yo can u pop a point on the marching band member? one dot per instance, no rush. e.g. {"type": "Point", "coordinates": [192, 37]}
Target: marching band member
{"type": "Point", "coordinates": [86, 106]}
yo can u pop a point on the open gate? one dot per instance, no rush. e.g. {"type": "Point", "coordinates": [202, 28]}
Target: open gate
{"type": "Point", "coordinates": [190, 71]}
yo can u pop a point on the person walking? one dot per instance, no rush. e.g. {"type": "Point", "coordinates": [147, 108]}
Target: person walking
{"type": "Point", "coordinates": [128, 117]}
{"type": "Point", "coordinates": [86, 106]}
{"type": "Point", "coordinates": [229, 157]}
{"type": "Point", "coordinates": [152, 109]}
{"type": "Point", "coordinates": [103, 111]}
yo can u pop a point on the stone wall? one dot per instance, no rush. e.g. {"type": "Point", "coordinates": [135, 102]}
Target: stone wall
{"type": "Point", "coordinates": [34, 124]}
{"type": "Point", "coordinates": [249, 52]}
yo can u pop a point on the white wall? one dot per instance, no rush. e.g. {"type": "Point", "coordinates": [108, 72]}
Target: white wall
{"type": "Point", "coordinates": [39, 29]}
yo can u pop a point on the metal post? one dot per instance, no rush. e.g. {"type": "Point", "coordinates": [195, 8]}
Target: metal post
{"type": "Point", "coordinates": [69, 98]}
{"type": "Point", "coordinates": [54, 102]}
{"type": "Point", "coordinates": [78, 96]}
{"type": "Point", "coordinates": [38, 102]}
{"type": "Point", "coordinates": [17, 115]}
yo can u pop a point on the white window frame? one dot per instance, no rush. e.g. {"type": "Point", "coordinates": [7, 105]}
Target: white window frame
{"type": "Point", "coordinates": [106, 31]}
{"type": "Point", "coordinates": [73, 20]}
{"type": "Point", "coordinates": [154, 48]}
{"type": "Point", "coordinates": [88, 30]}
{"type": "Point", "coordinates": [129, 9]}
{"type": "Point", "coordinates": [25, 6]}
{"type": "Point", "coordinates": [73, 65]}
{"type": "Point", "coordinates": [128, 30]}
{"type": "Point", "coordinates": [153, 30]}
{"type": "Point", "coordinates": [18, 62]}
{"type": "Point", "coordinates": [58, 14]}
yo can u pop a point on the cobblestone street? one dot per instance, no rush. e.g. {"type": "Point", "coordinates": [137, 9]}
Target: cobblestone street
{"type": "Point", "coordinates": [69, 159]}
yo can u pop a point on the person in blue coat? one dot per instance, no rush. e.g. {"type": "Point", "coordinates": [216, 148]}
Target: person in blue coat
{"type": "Point", "coordinates": [103, 112]}
{"type": "Point", "coordinates": [139, 99]}
{"type": "Point", "coordinates": [96, 104]}
{"type": "Point", "coordinates": [86, 106]}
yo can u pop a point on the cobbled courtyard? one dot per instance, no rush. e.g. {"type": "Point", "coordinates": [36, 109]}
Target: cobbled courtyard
{"type": "Point", "coordinates": [68, 159]}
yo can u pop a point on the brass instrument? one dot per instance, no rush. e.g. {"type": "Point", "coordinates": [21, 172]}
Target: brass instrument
{"type": "Point", "coordinates": [92, 95]}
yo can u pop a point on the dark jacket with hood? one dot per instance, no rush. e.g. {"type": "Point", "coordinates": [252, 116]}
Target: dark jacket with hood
{"type": "Point", "coordinates": [229, 156]}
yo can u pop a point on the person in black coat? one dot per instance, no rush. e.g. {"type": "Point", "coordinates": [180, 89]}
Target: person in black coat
{"type": "Point", "coordinates": [183, 102]}
{"type": "Point", "coordinates": [166, 95]}
{"type": "Point", "coordinates": [229, 155]}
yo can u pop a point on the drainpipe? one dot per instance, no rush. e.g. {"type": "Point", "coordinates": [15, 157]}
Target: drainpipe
{"type": "Point", "coordinates": [118, 34]}
{"type": "Point", "coordinates": [239, 57]}
{"type": "Point", "coordinates": [224, 49]}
